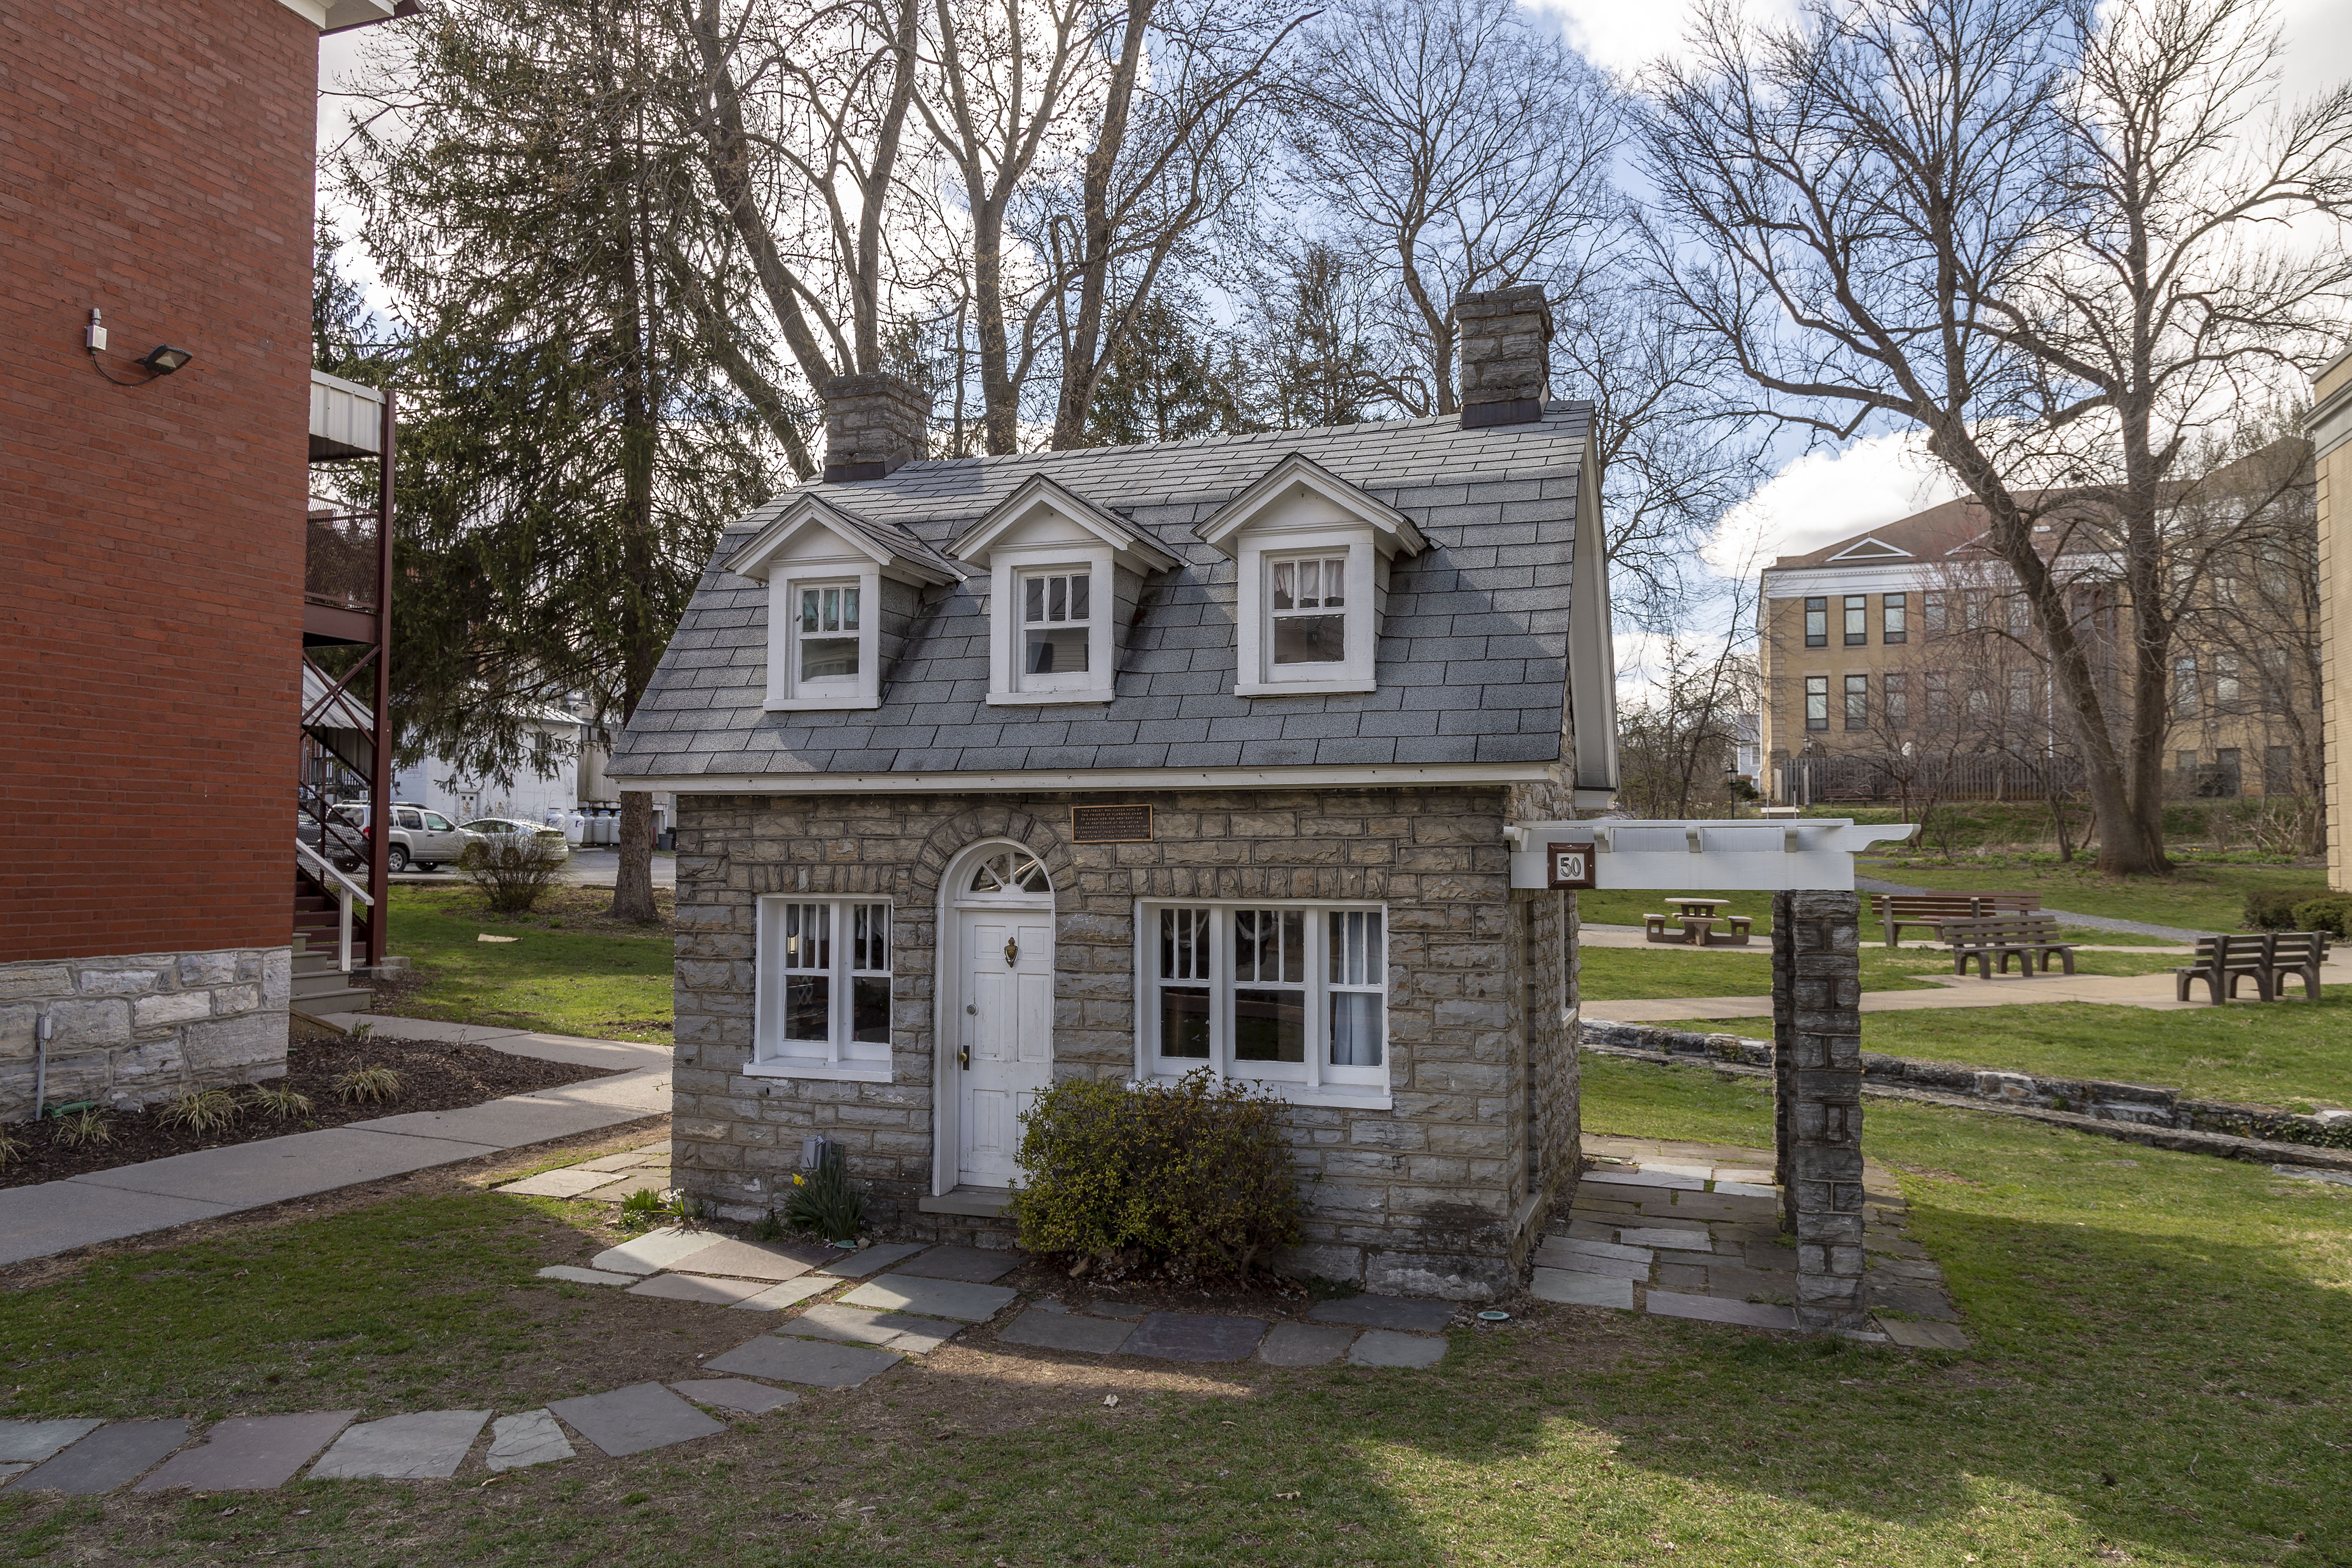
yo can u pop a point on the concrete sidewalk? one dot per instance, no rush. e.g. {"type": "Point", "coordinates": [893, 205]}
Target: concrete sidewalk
{"type": "Point", "coordinates": [134, 1200]}
{"type": "Point", "coordinates": [2154, 992]}
{"type": "Point", "coordinates": [576, 1049]}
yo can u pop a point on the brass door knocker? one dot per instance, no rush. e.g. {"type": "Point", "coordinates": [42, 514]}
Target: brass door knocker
{"type": "Point", "coordinates": [1012, 953]}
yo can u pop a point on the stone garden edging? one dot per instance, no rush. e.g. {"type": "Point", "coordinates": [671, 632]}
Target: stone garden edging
{"type": "Point", "coordinates": [2139, 1113]}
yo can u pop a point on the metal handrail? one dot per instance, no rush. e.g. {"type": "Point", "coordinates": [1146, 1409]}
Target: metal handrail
{"type": "Point", "coordinates": [345, 890]}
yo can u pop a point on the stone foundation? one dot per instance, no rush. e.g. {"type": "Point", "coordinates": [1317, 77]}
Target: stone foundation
{"type": "Point", "coordinates": [1817, 1106]}
{"type": "Point", "coordinates": [1441, 1193]}
{"type": "Point", "coordinates": [132, 1031]}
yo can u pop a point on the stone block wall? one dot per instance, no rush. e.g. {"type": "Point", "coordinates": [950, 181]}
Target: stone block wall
{"type": "Point", "coordinates": [1430, 1196]}
{"type": "Point", "coordinates": [1817, 1100]}
{"type": "Point", "coordinates": [138, 1028]}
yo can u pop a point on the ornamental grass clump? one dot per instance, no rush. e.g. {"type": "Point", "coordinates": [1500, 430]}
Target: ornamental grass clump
{"type": "Point", "coordinates": [279, 1100]}
{"type": "Point", "coordinates": [1194, 1178]}
{"type": "Point", "coordinates": [82, 1129]}
{"type": "Point", "coordinates": [198, 1110]}
{"type": "Point", "coordinates": [367, 1084]}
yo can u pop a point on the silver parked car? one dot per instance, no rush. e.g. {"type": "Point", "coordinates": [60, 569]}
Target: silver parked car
{"type": "Point", "coordinates": [418, 838]}
{"type": "Point", "coordinates": [493, 829]}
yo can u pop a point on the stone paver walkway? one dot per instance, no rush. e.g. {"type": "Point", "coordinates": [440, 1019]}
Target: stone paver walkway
{"type": "Point", "coordinates": [1691, 1230]}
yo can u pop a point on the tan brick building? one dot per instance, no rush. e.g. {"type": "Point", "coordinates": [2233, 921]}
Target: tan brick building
{"type": "Point", "coordinates": [2329, 426]}
{"type": "Point", "coordinates": [1135, 762]}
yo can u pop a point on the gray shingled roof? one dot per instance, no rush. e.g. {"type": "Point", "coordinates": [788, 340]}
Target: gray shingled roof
{"type": "Point", "coordinates": [1472, 657]}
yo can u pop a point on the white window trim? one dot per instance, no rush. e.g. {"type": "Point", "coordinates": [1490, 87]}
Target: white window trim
{"type": "Point", "coordinates": [785, 694]}
{"type": "Point", "coordinates": [1256, 673]}
{"type": "Point", "coordinates": [1318, 1083]}
{"type": "Point", "coordinates": [1006, 568]}
{"type": "Point", "coordinates": [767, 1025]}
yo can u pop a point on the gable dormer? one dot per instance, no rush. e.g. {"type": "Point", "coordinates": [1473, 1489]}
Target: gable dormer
{"type": "Point", "coordinates": [842, 593]}
{"type": "Point", "coordinates": [1313, 553]}
{"type": "Point", "coordinates": [1871, 548]}
{"type": "Point", "coordinates": [1063, 577]}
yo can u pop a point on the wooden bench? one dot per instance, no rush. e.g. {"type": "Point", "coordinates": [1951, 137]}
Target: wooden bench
{"type": "Point", "coordinates": [1931, 909]}
{"type": "Point", "coordinates": [2221, 961]}
{"type": "Point", "coordinates": [2033, 939]}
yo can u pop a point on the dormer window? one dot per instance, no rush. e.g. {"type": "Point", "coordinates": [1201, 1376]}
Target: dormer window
{"type": "Point", "coordinates": [1056, 631]}
{"type": "Point", "coordinates": [837, 584]}
{"type": "Point", "coordinates": [1309, 610]}
{"type": "Point", "coordinates": [1065, 576]}
{"type": "Point", "coordinates": [1312, 554]}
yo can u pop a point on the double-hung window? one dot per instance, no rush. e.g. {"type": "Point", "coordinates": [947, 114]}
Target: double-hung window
{"type": "Point", "coordinates": [1056, 626]}
{"type": "Point", "coordinates": [1857, 702]}
{"type": "Point", "coordinates": [1817, 622]}
{"type": "Point", "coordinates": [1895, 624]}
{"type": "Point", "coordinates": [1857, 620]}
{"type": "Point", "coordinates": [821, 644]}
{"type": "Point", "coordinates": [1292, 995]}
{"type": "Point", "coordinates": [823, 979]}
{"type": "Point", "coordinates": [1308, 608]}
{"type": "Point", "coordinates": [1896, 684]}
{"type": "Point", "coordinates": [1817, 702]}
{"type": "Point", "coordinates": [828, 637]}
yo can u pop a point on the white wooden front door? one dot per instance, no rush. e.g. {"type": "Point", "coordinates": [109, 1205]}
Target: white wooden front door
{"type": "Point", "coordinates": [1005, 1044]}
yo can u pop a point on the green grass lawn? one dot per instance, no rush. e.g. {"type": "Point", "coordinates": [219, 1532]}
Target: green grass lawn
{"type": "Point", "coordinates": [1618, 973]}
{"type": "Point", "coordinates": [603, 983]}
{"type": "Point", "coordinates": [2288, 1054]}
{"type": "Point", "coordinates": [2200, 896]}
{"type": "Point", "coordinates": [2164, 1345]}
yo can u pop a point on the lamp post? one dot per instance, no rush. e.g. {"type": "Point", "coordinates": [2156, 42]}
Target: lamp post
{"type": "Point", "coordinates": [1731, 791]}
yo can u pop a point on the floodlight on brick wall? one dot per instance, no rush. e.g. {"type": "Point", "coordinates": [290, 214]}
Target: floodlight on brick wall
{"type": "Point", "coordinates": [163, 359]}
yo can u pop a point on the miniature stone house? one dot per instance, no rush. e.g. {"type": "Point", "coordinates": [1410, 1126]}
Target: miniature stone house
{"type": "Point", "coordinates": [1139, 761]}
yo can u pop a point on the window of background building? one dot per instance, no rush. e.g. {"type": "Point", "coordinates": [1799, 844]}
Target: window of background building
{"type": "Point", "coordinates": [2184, 763]}
{"type": "Point", "coordinates": [1817, 622]}
{"type": "Point", "coordinates": [2278, 770]}
{"type": "Point", "coordinates": [2020, 693]}
{"type": "Point", "coordinates": [1897, 618]}
{"type": "Point", "coordinates": [1897, 688]}
{"type": "Point", "coordinates": [1857, 702]}
{"type": "Point", "coordinates": [2184, 685]}
{"type": "Point", "coordinates": [1817, 702]}
{"type": "Point", "coordinates": [2227, 762]}
{"type": "Point", "coordinates": [1931, 606]}
{"type": "Point", "coordinates": [2225, 680]}
{"type": "Point", "coordinates": [1857, 620]}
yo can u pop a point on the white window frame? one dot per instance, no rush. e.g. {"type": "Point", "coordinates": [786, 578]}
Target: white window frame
{"type": "Point", "coordinates": [1008, 569]}
{"type": "Point", "coordinates": [838, 1057]}
{"type": "Point", "coordinates": [1256, 674]}
{"type": "Point", "coordinates": [787, 692]}
{"type": "Point", "coordinates": [1314, 1080]}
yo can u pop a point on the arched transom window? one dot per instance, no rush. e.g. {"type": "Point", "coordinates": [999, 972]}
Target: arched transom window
{"type": "Point", "coordinates": [1011, 871]}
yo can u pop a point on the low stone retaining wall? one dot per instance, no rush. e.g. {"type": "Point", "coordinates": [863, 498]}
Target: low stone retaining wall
{"type": "Point", "coordinates": [2102, 1099]}
{"type": "Point", "coordinates": [133, 1029]}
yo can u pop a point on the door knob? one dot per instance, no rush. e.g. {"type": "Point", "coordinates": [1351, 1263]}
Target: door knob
{"type": "Point", "coordinates": [1012, 953]}
{"type": "Point", "coordinates": [971, 1009]}
{"type": "Point", "coordinates": [964, 1058]}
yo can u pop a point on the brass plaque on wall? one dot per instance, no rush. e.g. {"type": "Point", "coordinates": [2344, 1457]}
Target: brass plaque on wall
{"type": "Point", "coordinates": [1110, 824]}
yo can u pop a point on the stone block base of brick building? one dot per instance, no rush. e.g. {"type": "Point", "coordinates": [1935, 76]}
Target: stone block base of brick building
{"type": "Point", "coordinates": [131, 1029]}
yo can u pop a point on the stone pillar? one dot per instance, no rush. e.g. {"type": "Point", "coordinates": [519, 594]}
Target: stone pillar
{"type": "Point", "coordinates": [873, 423]}
{"type": "Point", "coordinates": [1504, 337]}
{"type": "Point", "coordinates": [1817, 1098]}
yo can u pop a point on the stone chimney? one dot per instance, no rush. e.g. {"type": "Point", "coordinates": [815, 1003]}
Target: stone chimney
{"type": "Point", "coordinates": [873, 423]}
{"type": "Point", "coordinates": [1505, 346]}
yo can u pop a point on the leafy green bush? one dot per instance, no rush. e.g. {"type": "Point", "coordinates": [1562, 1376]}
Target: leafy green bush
{"type": "Point", "coordinates": [2331, 913]}
{"type": "Point", "coordinates": [822, 1201]}
{"type": "Point", "coordinates": [2272, 909]}
{"type": "Point", "coordinates": [1194, 1176]}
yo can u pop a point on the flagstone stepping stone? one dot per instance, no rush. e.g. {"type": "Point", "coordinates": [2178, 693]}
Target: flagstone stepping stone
{"type": "Point", "coordinates": [1593, 1247]}
{"type": "Point", "coordinates": [1126, 1312]}
{"type": "Point", "coordinates": [1746, 1189]}
{"type": "Point", "coordinates": [966, 1303]}
{"type": "Point", "coordinates": [585, 1275]}
{"type": "Point", "coordinates": [531, 1439]}
{"type": "Point", "coordinates": [29, 1442]}
{"type": "Point", "coordinates": [865, 1326]}
{"type": "Point", "coordinates": [1577, 1288]}
{"type": "Point", "coordinates": [737, 1393]}
{"type": "Point", "coordinates": [1386, 1347]}
{"type": "Point", "coordinates": [742, 1260]}
{"type": "Point", "coordinates": [1652, 1236]}
{"type": "Point", "coordinates": [1924, 1336]}
{"type": "Point", "coordinates": [1744, 1175]}
{"type": "Point", "coordinates": [697, 1288]}
{"type": "Point", "coordinates": [819, 1363]}
{"type": "Point", "coordinates": [249, 1453]}
{"type": "Point", "coordinates": [428, 1445]}
{"type": "Point", "coordinates": [632, 1419]}
{"type": "Point", "coordinates": [977, 1265]}
{"type": "Point", "coordinates": [1550, 1256]}
{"type": "Point", "coordinates": [652, 1179]}
{"type": "Point", "coordinates": [1414, 1314]}
{"type": "Point", "coordinates": [115, 1454]}
{"type": "Point", "coordinates": [1716, 1310]}
{"type": "Point", "coordinates": [1047, 1330]}
{"type": "Point", "coordinates": [1306, 1344]}
{"type": "Point", "coordinates": [1918, 1300]}
{"type": "Point", "coordinates": [567, 1184]}
{"type": "Point", "coordinates": [652, 1252]}
{"type": "Point", "coordinates": [651, 1154]}
{"type": "Point", "coordinates": [1190, 1336]}
{"type": "Point", "coordinates": [792, 1292]}
{"type": "Point", "coordinates": [869, 1260]}
{"type": "Point", "coordinates": [1630, 1183]}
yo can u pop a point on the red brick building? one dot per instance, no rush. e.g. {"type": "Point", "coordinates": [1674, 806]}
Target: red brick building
{"type": "Point", "coordinates": [156, 165]}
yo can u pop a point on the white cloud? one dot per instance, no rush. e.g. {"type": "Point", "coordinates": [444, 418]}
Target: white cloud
{"type": "Point", "coordinates": [1823, 496]}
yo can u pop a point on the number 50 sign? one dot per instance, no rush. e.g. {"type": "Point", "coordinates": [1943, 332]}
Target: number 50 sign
{"type": "Point", "coordinates": [1569, 865]}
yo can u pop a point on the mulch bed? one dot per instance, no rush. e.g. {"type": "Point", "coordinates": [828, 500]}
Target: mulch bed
{"type": "Point", "coordinates": [435, 1074]}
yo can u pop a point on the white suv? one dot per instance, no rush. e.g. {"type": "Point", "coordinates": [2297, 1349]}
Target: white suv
{"type": "Point", "coordinates": [418, 838]}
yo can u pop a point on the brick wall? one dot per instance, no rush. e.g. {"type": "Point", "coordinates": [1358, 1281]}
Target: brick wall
{"type": "Point", "coordinates": [1432, 1197]}
{"type": "Point", "coordinates": [156, 162]}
